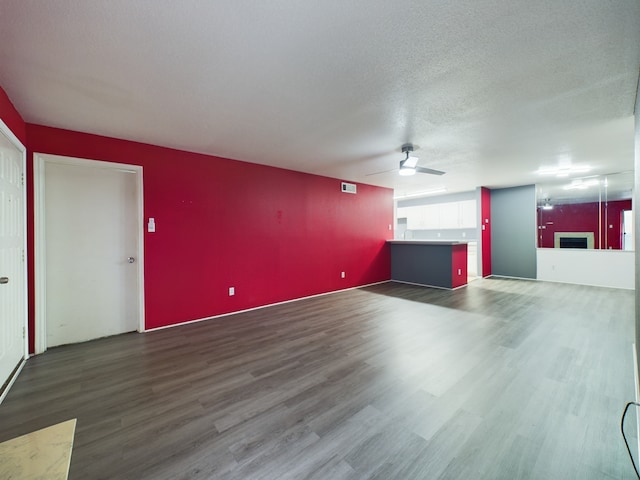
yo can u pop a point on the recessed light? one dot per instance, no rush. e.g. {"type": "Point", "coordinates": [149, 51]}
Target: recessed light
{"type": "Point", "coordinates": [581, 184]}
{"type": "Point", "coordinates": [563, 171]}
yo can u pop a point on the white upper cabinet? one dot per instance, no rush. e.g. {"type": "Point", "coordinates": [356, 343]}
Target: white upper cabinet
{"type": "Point", "coordinates": [440, 216]}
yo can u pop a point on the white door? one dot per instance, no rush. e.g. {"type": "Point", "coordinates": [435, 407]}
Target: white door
{"type": "Point", "coordinates": [627, 230]}
{"type": "Point", "coordinates": [91, 250]}
{"type": "Point", "coordinates": [12, 263]}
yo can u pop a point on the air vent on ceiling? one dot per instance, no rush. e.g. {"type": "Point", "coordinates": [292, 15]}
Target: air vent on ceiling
{"type": "Point", "coordinates": [349, 187]}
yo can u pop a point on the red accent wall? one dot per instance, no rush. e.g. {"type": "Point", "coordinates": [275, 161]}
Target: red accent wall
{"type": "Point", "coordinates": [271, 233]}
{"type": "Point", "coordinates": [613, 239]}
{"type": "Point", "coordinates": [12, 118]}
{"type": "Point", "coordinates": [459, 262]}
{"type": "Point", "coordinates": [485, 229]}
{"type": "Point", "coordinates": [583, 217]}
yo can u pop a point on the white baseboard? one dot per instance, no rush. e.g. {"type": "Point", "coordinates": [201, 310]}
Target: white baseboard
{"type": "Point", "coordinates": [14, 377]}
{"type": "Point", "coordinates": [261, 307]}
{"type": "Point", "coordinates": [510, 277]}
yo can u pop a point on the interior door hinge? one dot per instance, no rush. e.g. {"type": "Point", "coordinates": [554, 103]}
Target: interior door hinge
{"type": "Point", "coordinates": [22, 256]}
{"type": "Point", "coordinates": [24, 332]}
{"type": "Point", "coordinates": [22, 179]}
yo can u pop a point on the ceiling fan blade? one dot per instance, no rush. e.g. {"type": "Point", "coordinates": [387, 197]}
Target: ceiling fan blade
{"type": "Point", "coordinates": [429, 170]}
{"type": "Point", "coordinates": [380, 173]}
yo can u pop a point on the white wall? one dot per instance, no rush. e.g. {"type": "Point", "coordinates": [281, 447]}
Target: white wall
{"type": "Point", "coordinates": [636, 221]}
{"type": "Point", "coordinates": [602, 268]}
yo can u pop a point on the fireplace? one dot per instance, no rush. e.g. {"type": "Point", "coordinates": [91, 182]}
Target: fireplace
{"type": "Point", "coordinates": [573, 240]}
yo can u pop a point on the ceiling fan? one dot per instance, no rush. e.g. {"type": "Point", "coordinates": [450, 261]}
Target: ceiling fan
{"type": "Point", "coordinates": [409, 166]}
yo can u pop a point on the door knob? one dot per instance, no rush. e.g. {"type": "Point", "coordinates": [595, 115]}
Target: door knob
{"type": "Point", "coordinates": [131, 259]}
{"type": "Point", "coordinates": [4, 280]}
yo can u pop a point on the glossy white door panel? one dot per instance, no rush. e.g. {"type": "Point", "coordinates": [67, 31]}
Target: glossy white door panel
{"type": "Point", "coordinates": [13, 291]}
{"type": "Point", "coordinates": [91, 230]}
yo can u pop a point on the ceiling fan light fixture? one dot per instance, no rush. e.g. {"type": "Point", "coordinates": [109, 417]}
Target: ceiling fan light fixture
{"type": "Point", "coordinates": [407, 171]}
{"type": "Point", "coordinates": [408, 165]}
{"type": "Point", "coordinates": [410, 161]}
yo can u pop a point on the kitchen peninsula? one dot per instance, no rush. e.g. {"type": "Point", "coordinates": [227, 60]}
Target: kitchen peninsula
{"type": "Point", "coordinates": [440, 264]}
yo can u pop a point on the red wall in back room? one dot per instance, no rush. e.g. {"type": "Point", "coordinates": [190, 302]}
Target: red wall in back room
{"type": "Point", "coordinates": [583, 217]}
{"type": "Point", "coordinates": [613, 224]}
{"type": "Point", "coordinates": [273, 234]}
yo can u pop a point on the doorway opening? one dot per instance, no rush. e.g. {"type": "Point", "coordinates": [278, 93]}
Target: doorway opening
{"type": "Point", "coordinates": [89, 249]}
{"type": "Point", "coordinates": [627, 230]}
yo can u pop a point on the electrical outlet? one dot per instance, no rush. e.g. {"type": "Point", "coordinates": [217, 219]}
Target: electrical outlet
{"type": "Point", "coordinates": [232, 291]}
{"type": "Point", "coordinates": [459, 271]}
{"type": "Point", "coordinates": [342, 275]}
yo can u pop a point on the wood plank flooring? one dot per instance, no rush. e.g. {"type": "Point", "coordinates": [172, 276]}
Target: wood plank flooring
{"type": "Point", "coordinates": [504, 379]}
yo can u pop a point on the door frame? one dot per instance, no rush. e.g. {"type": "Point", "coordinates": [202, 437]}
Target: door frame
{"type": "Point", "coordinates": [39, 162]}
{"type": "Point", "coordinates": [4, 129]}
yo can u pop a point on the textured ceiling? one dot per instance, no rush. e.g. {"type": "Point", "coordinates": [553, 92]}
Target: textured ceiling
{"type": "Point", "coordinates": [490, 90]}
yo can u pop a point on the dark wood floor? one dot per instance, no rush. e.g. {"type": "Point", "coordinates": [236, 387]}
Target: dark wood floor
{"type": "Point", "coordinates": [504, 379]}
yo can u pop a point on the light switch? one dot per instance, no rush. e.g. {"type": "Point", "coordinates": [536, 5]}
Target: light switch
{"type": "Point", "coordinates": [151, 226]}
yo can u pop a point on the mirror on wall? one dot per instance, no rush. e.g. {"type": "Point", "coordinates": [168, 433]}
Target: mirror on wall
{"type": "Point", "coordinates": [592, 212]}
